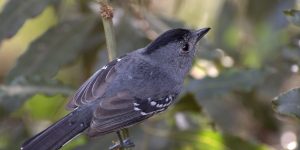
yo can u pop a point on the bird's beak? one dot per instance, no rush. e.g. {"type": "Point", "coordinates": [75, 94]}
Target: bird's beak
{"type": "Point", "coordinates": [200, 33]}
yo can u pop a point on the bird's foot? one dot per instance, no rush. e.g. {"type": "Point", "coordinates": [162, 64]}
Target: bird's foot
{"type": "Point", "coordinates": [127, 143]}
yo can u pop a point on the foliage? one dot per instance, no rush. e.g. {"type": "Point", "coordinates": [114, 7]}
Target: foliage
{"type": "Point", "coordinates": [12, 20]}
{"type": "Point", "coordinates": [250, 55]}
{"type": "Point", "coordinates": [288, 103]}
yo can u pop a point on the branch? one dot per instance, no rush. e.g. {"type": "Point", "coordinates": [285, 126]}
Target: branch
{"type": "Point", "coordinates": [13, 90]}
{"type": "Point", "coordinates": [106, 12]}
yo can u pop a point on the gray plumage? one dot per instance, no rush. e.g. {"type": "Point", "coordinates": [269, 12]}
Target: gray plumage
{"type": "Point", "coordinates": [126, 91]}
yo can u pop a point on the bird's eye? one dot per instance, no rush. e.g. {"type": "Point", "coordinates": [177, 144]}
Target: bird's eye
{"type": "Point", "coordinates": [185, 47]}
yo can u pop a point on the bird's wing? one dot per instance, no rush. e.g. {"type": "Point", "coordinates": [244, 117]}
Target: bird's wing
{"type": "Point", "coordinates": [95, 86]}
{"type": "Point", "coordinates": [124, 110]}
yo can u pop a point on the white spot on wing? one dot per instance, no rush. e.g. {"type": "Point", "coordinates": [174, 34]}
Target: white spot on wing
{"type": "Point", "coordinates": [104, 67]}
{"type": "Point", "coordinates": [119, 59]}
{"type": "Point", "coordinates": [136, 104]}
{"type": "Point", "coordinates": [153, 103]}
{"type": "Point", "coordinates": [136, 109]}
{"type": "Point", "coordinates": [144, 113]}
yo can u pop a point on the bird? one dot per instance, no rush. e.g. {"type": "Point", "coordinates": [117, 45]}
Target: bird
{"type": "Point", "coordinates": [126, 91]}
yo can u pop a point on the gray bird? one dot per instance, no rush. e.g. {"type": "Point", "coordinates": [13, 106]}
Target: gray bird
{"type": "Point", "coordinates": [126, 91]}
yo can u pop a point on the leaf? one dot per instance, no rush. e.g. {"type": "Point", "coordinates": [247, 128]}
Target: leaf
{"type": "Point", "coordinates": [13, 95]}
{"type": "Point", "coordinates": [216, 96]}
{"type": "Point", "coordinates": [74, 143]}
{"type": "Point", "coordinates": [58, 46]}
{"type": "Point", "coordinates": [16, 12]}
{"type": "Point", "coordinates": [288, 103]}
{"type": "Point", "coordinates": [293, 16]}
{"type": "Point", "coordinates": [11, 131]}
{"type": "Point", "coordinates": [242, 80]}
{"type": "Point", "coordinates": [239, 143]}
{"type": "Point", "coordinates": [124, 30]}
{"type": "Point", "coordinates": [187, 103]}
{"type": "Point", "coordinates": [205, 139]}
{"type": "Point", "coordinates": [215, 141]}
{"type": "Point", "coordinates": [41, 107]}
{"type": "Point", "coordinates": [291, 54]}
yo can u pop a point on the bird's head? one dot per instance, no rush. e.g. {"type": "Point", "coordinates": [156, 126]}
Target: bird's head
{"type": "Point", "coordinates": [175, 48]}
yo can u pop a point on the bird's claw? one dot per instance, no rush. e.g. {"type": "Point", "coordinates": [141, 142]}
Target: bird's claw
{"type": "Point", "coordinates": [127, 143]}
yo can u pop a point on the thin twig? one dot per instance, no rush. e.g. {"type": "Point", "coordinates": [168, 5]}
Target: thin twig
{"type": "Point", "coordinates": [106, 12]}
{"type": "Point", "coordinates": [15, 90]}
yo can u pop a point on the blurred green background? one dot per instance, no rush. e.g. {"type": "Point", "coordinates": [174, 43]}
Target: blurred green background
{"type": "Point", "coordinates": [48, 48]}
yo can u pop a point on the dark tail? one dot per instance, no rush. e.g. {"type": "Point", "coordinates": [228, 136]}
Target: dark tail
{"type": "Point", "coordinates": [55, 136]}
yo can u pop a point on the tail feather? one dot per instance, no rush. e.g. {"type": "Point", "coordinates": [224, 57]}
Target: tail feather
{"type": "Point", "coordinates": [55, 136]}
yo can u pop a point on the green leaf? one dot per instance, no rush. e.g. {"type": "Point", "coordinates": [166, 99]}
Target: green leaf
{"type": "Point", "coordinates": [60, 45]}
{"type": "Point", "coordinates": [16, 12]}
{"type": "Point", "coordinates": [288, 103]}
{"type": "Point", "coordinates": [293, 16]}
{"type": "Point", "coordinates": [187, 103]}
{"type": "Point", "coordinates": [41, 107]}
{"type": "Point", "coordinates": [215, 141]}
{"type": "Point", "coordinates": [206, 140]}
{"type": "Point", "coordinates": [13, 95]}
{"type": "Point", "coordinates": [234, 142]}
{"type": "Point", "coordinates": [74, 143]}
{"type": "Point", "coordinates": [11, 131]}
